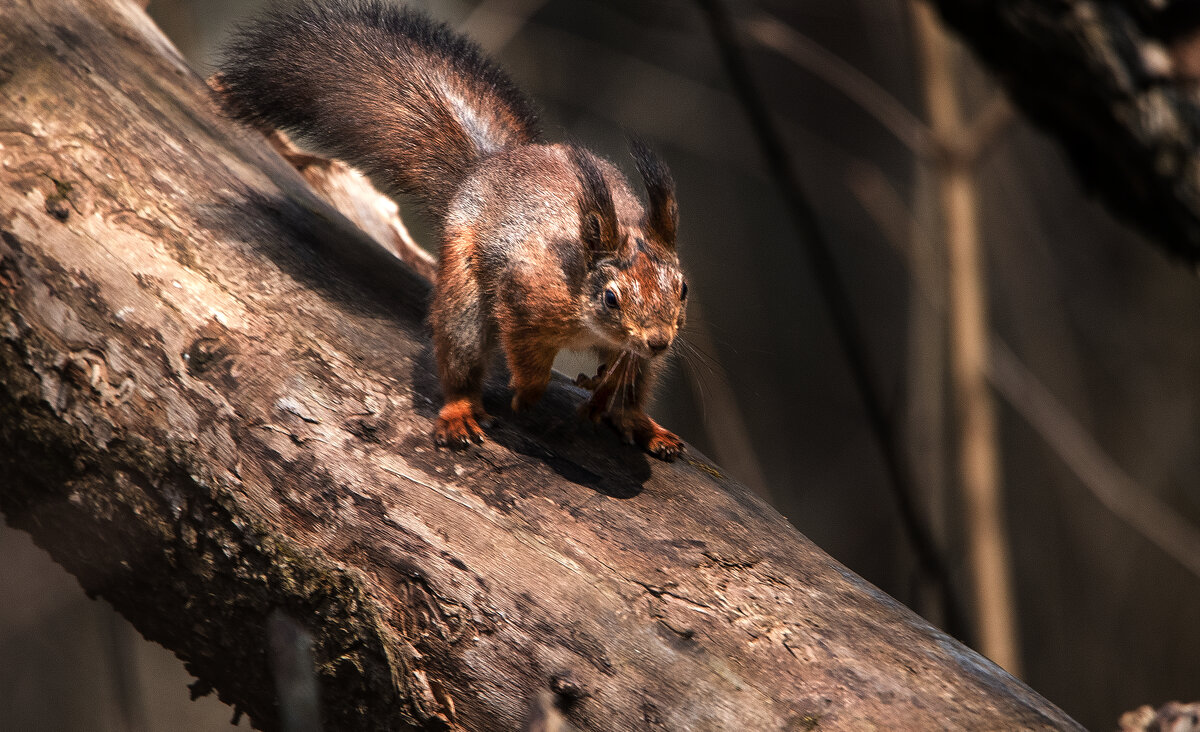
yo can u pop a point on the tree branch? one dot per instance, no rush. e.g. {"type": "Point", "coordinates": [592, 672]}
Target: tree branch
{"type": "Point", "coordinates": [215, 400]}
{"type": "Point", "coordinates": [1102, 79]}
{"type": "Point", "coordinates": [978, 454]}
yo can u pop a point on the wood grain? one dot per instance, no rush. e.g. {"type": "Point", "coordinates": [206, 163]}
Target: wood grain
{"type": "Point", "coordinates": [215, 403]}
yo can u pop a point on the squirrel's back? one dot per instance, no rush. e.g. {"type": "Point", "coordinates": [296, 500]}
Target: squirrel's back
{"type": "Point", "coordinates": [406, 100]}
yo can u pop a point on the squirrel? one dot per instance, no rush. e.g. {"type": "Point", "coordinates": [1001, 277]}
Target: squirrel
{"type": "Point", "coordinates": [544, 246]}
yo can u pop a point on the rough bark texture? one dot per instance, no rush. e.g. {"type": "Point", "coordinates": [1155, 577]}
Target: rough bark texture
{"type": "Point", "coordinates": [1116, 82]}
{"type": "Point", "coordinates": [215, 403]}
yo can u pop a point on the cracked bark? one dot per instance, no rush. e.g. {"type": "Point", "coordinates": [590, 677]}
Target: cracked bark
{"type": "Point", "coordinates": [1116, 83]}
{"type": "Point", "coordinates": [215, 400]}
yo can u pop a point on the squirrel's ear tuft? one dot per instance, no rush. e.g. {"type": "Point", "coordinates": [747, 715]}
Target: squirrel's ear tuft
{"type": "Point", "coordinates": [591, 232]}
{"type": "Point", "coordinates": [597, 214]}
{"type": "Point", "coordinates": [663, 217]}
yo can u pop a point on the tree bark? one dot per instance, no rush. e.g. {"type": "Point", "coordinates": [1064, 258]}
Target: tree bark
{"type": "Point", "coordinates": [1115, 82]}
{"type": "Point", "coordinates": [215, 406]}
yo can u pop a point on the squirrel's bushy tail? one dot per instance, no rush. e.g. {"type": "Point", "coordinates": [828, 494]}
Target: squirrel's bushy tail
{"type": "Point", "coordinates": [404, 99]}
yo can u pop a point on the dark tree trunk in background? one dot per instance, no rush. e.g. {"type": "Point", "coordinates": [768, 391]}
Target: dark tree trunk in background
{"type": "Point", "coordinates": [1118, 84]}
{"type": "Point", "coordinates": [215, 400]}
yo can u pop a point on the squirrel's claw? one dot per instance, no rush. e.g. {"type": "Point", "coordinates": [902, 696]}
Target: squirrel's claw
{"type": "Point", "coordinates": [458, 425]}
{"type": "Point", "coordinates": [457, 434]}
{"type": "Point", "coordinates": [664, 446]}
{"type": "Point", "coordinates": [635, 427]}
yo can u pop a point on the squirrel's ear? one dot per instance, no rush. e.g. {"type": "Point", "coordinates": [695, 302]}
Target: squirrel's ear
{"type": "Point", "coordinates": [597, 214]}
{"type": "Point", "coordinates": [663, 217]}
{"type": "Point", "coordinates": [591, 232]}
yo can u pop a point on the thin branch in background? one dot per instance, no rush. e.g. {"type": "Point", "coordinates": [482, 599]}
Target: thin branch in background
{"type": "Point", "coordinates": [1113, 488]}
{"type": "Point", "coordinates": [1138, 507]}
{"type": "Point", "coordinates": [833, 70]}
{"type": "Point", "coordinates": [835, 294]}
{"type": "Point", "coordinates": [987, 129]}
{"type": "Point", "coordinates": [925, 418]}
{"type": "Point", "coordinates": [972, 145]}
{"type": "Point", "coordinates": [880, 199]}
{"type": "Point", "coordinates": [984, 527]}
{"type": "Point", "coordinates": [926, 322]}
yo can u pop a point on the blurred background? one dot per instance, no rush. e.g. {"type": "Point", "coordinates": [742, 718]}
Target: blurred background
{"type": "Point", "coordinates": [1035, 361]}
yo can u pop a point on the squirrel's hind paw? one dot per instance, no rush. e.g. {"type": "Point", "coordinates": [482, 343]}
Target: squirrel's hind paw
{"type": "Point", "coordinates": [458, 424]}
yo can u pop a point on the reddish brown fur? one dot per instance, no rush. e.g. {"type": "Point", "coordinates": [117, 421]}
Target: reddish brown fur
{"type": "Point", "coordinates": [458, 422]}
{"type": "Point", "coordinates": [515, 270]}
{"type": "Point", "coordinates": [619, 391]}
{"type": "Point", "coordinates": [543, 247]}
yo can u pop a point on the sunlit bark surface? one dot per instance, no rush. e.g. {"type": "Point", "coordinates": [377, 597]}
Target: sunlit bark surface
{"type": "Point", "coordinates": [215, 405]}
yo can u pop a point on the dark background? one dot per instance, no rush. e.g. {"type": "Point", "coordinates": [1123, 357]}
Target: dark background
{"type": "Point", "coordinates": [1107, 620]}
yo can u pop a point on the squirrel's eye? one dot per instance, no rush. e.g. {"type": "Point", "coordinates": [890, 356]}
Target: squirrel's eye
{"type": "Point", "coordinates": [610, 299]}
{"type": "Point", "coordinates": [683, 291]}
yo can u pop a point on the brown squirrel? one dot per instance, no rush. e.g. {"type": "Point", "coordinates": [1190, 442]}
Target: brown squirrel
{"type": "Point", "coordinates": [543, 246]}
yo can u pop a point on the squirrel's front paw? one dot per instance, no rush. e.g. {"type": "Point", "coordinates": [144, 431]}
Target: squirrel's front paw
{"type": "Point", "coordinates": [636, 427]}
{"type": "Point", "coordinates": [664, 445]}
{"type": "Point", "coordinates": [591, 383]}
{"type": "Point", "coordinates": [457, 424]}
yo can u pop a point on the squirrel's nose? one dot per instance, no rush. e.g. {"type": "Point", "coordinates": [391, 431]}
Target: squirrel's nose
{"type": "Point", "coordinates": [657, 345]}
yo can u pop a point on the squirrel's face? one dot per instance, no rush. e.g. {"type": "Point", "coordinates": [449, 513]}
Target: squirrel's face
{"type": "Point", "coordinates": [638, 303]}
{"type": "Point", "coordinates": [637, 293]}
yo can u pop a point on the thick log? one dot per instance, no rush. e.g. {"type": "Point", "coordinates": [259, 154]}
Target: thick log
{"type": "Point", "coordinates": [1116, 83]}
{"type": "Point", "coordinates": [215, 406]}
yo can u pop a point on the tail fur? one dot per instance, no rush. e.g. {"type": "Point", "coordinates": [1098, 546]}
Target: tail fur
{"type": "Point", "coordinates": [404, 99]}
